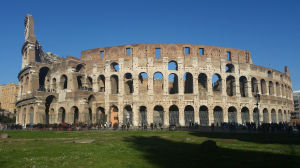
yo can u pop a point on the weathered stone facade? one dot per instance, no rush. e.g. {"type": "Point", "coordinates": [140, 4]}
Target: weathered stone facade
{"type": "Point", "coordinates": [8, 97]}
{"type": "Point", "coordinates": [149, 83]}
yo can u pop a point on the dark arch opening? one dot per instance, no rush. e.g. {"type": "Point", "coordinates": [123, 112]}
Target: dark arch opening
{"type": "Point", "coordinates": [245, 115]}
{"type": "Point", "coordinates": [143, 85]}
{"type": "Point", "coordinates": [202, 82]}
{"type": "Point", "coordinates": [128, 83]}
{"type": "Point", "coordinates": [114, 81]}
{"type": "Point", "coordinates": [232, 115]}
{"type": "Point", "coordinates": [230, 68]}
{"type": "Point", "coordinates": [64, 82]}
{"type": "Point", "coordinates": [217, 83]}
{"type": "Point", "coordinates": [143, 115]}
{"type": "Point", "coordinates": [189, 115]}
{"type": "Point", "coordinates": [230, 86]}
{"type": "Point", "coordinates": [174, 115]}
{"type": "Point", "coordinates": [218, 116]}
{"type": "Point", "coordinates": [173, 83]}
{"type": "Point", "coordinates": [128, 115]}
{"type": "Point", "coordinates": [42, 77]}
{"type": "Point", "coordinates": [243, 86]}
{"type": "Point", "coordinates": [101, 81]}
{"type": "Point", "coordinates": [158, 115]}
{"type": "Point", "coordinates": [114, 67]}
{"type": "Point", "coordinates": [203, 115]}
{"type": "Point", "coordinates": [188, 83]}
{"type": "Point", "coordinates": [49, 100]}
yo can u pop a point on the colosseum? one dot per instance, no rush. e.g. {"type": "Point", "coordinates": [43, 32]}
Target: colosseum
{"type": "Point", "coordinates": [166, 84]}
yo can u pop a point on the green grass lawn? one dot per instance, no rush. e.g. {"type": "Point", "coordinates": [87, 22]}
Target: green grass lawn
{"type": "Point", "coordinates": [147, 149]}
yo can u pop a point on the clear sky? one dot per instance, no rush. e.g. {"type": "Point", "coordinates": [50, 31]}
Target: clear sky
{"type": "Point", "coordinates": [270, 29]}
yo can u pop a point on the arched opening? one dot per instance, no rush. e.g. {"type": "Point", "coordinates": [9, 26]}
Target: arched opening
{"type": "Point", "coordinates": [31, 115]}
{"type": "Point", "coordinates": [79, 82]}
{"type": "Point", "coordinates": [173, 83]}
{"type": "Point", "coordinates": [254, 86]}
{"type": "Point", "coordinates": [101, 82]}
{"type": "Point", "coordinates": [128, 83]}
{"type": "Point", "coordinates": [243, 86]}
{"type": "Point", "coordinates": [114, 82]}
{"type": "Point", "coordinates": [91, 103]}
{"type": "Point", "coordinates": [265, 116]}
{"type": "Point", "coordinates": [217, 83]}
{"type": "Point", "coordinates": [256, 116]}
{"type": "Point", "coordinates": [158, 115]}
{"type": "Point", "coordinates": [245, 115]}
{"type": "Point", "coordinates": [158, 83]}
{"type": "Point", "coordinates": [172, 65]}
{"type": "Point", "coordinates": [143, 115]}
{"type": "Point", "coordinates": [23, 116]}
{"type": "Point", "coordinates": [61, 115]}
{"type": "Point", "coordinates": [100, 115]}
{"type": "Point", "coordinates": [230, 86]}
{"type": "Point", "coordinates": [188, 83]}
{"type": "Point", "coordinates": [75, 112]}
{"type": "Point", "coordinates": [263, 86]}
{"type": "Point", "coordinates": [89, 83]}
{"type": "Point", "coordinates": [232, 115]}
{"type": "Point", "coordinates": [48, 102]}
{"type": "Point", "coordinates": [143, 85]}
{"type": "Point", "coordinates": [271, 88]}
{"type": "Point", "coordinates": [202, 83]}
{"type": "Point", "coordinates": [229, 68]}
{"type": "Point", "coordinates": [203, 115]}
{"type": "Point", "coordinates": [273, 116]}
{"type": "Point", "coordinates": [279, 116]}
{"type": "Point", "coordinates": [174, 115]}
{"type": "Point", "coordinates": [218, 116]}
{"type": "Point", "coordinates": [128, 115]}
{"type": "Point", "coordinates": [114, 116]}
{"type": "Point", "coordinates": [270, 74]}
{"type": "Point", "coordinates": [53, 84]}
{"type": "Point", "coordinates": [80, 68]}
{"type": "Point", "coordinates": [63, 82]}
{"type": "Point", "coordinates": [42, 77]}
{"type": "Point", "coordinates": [278, 90]}
{"type": "Point", "coordinates": [189, 115]}
{"type": "Point", "coordinates": [114, 67]}
{"type": "Point", "coordinates": [90, 117]}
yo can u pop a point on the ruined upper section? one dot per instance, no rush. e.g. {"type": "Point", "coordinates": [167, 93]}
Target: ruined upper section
{"type": "Point", "coordinates": [29, 29]}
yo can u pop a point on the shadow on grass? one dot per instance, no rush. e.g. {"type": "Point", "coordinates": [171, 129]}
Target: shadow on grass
{"type": "Point", "coordinates": [167, 153]}
{"type": "Point", "coordinates": [267, 138]}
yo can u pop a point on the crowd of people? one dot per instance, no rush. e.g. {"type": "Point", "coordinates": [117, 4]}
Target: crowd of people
{"type": "Point", "coordinates": [248, 127]}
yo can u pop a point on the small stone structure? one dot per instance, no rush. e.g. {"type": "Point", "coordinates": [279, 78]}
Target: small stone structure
{"type": "Point", "coordinates": [165, 84]}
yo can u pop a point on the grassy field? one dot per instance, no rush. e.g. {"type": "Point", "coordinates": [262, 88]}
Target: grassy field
{"type": "Point", "coordinates": [147, 149]}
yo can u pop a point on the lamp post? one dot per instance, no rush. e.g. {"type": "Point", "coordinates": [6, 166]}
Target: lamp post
{"type": "Point", "coordinates": [257, 96]}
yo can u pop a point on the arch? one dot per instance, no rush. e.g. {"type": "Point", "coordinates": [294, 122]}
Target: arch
{"type": "Point", "coordinates": [263, 86]}
{"type": "Point", "coordinates": [49, 100]}
{"type": "Point", "coordinates": [279, 116]}
{"type": "Point", "coordinates": [218, 116]}
{"type": "Point", "coordinates": [243, 86]}
{"type": "Point", "coordinates": [143, 115]}
{"type": "Point", "coordinates": [128, 83]}
{"type": "Point", "coordinates": [53, 84]}
{"type": "Point", "coordinates": [230, 86]}
{"type": "Point", "coordinates": [79, 82]}
{"type": "Point", "coordinates": [202, 82]}
{"type": "Point", "coordinates": [90, 116]}
{"type": "Point", "coordinates": [173, 115]}
{"type": "Point", "coordinates": [203, 115]}
{"type": "Point", "coordinates": [128, 115]}
{"type": "Point", "coordinates": [245, 115]}
{"type": "Point", "coordinates": [254, 86]}
{"type": "Point", "coordinates": [63, 82]}
{"type": "Point", "coordinates": [273, 116]}
{"type": "Point", "coordinates": [89, 83]}
{"type": "Point", "coordinates": [278, 89]}
{"type": "Point", "coordinates": [270, 74]}
{"type": "Point", "coordinates": [114, 116]}
{"type": "Point", "coordinates": [101, 82]}
{"type": "Point", "coordinates": [271, 88]}
{"type": "Point", "coordinates": [61, 115]}
{"type": "Point", "coordinates": [158, 115]}
{"type": "Point", "coordinates": [80, 68]}
{"type": "Point", "coordinates": [31, 115]}
{"type": "Point", "coordinates": [91, 99]}
{"type": "Point", "coordinates": [188, 83]}
{"type": "Point", "coordinates": [189, 115]}
{"type": "Point", "coordinates": [75, 113]}
{"type": "Point", "coordinates": [172, 65]}
{"type": "Point", "coordinates": [232, 115]}
{"type": "Point", "coordinates": [229, 68]}
{"type": "Point", "coordinates": [101, 117]}
{"type": "Point", "coordinates": [143, 82]}
{"type": "Point", "coordinates": [217, 83]}
{"type": "Point", "coordinates": [158, 83]}
{"type": "Point", "coordinates": [173, 83]}
{"type": "Point", "coordinates": [114, 82]}
{"type": "Point", "coordinates": [256, 116]}
{"type": "Point", "coordinates": [114, 67]}
{"type": "Point", "coordinates": [43, 72]}
{"type": "Point", "coordinates": [265, 115]}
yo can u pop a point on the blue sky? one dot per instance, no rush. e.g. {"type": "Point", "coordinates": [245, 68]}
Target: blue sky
{"type": "Point", "coordinates": [270, 29]}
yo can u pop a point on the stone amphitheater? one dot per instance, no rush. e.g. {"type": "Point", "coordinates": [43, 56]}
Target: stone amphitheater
{"type": "Point", "coordinates": [166, 84]}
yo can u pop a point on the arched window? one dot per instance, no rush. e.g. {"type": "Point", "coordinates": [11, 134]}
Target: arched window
{"type": "Point", "coordinates": [143, 82]}
{"type": "Point", "coordinates": [48, 103]}
{"type": "Point", "coordinates": [202, 82]}
{"type": "Point", "coordinates": [63, 82]}
{"type": "Point", "coordinates": [61, 115]}
{"type": "Point", "coordinates": [230, 86]}
{"type": "Point", "coordinates": [265, 116]}
{"type": "Point", "coordinates": [101, 82]}
{"type": "Point", "coordinates": [42, 77]}
{"type": "Point", "coordinates": [263, 86]}
{"type": "Point", "coordinates": [158, 83]}
{"type": "Point", "coordinates": [245, 115]}
{"type": "Point", "coordinates": [217, 83]}
{"type": "Point", "coordinates": [80, 68]}
{"type": "Point", "coordinates": [278, 90]}
{"type": "Point", "coordinates": [232, 115]}
{"type": "Point", "coordinates": [271, 88]}
{"type": "Point", "coordinates": [229, 68]}
{"type": "Point", "coordinates": [54, 84]}
{"type": "Point", "coordinates": [173, 83]}
{"type": "Point", "coordinates": [218, 116]}
{"type": "Point", "coordinates": [128, 83]}
{"type": "Point", "coordinates": [89, 83]}
{"type": "Point", "coordinates": [75, 112]}
{"type": "Point", "coordinates": [100, 115]}
{"type": "Point", "coordinates": [79, 82]}
{"type": "Point", "coordinates": [189, 115]}
{"type": "Point", "coordinates": [243, 86]}
{"type": "Point", "coordinates": [158, 115]}
{"type": "Point", "coordinates": [188, 83]}
{"type": "Point", "coordinates": [114, 67]}
{"type": "Point", "coordinates": [173, 115]}
{"type": "Point", "coordinates": [172, 65]}
{"type": "Point", "coordinates": [254, 85]}
{"type": "Point", "coordinates": [114, 82]}
{"type": "Point", "coordinates": [203, 115]}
